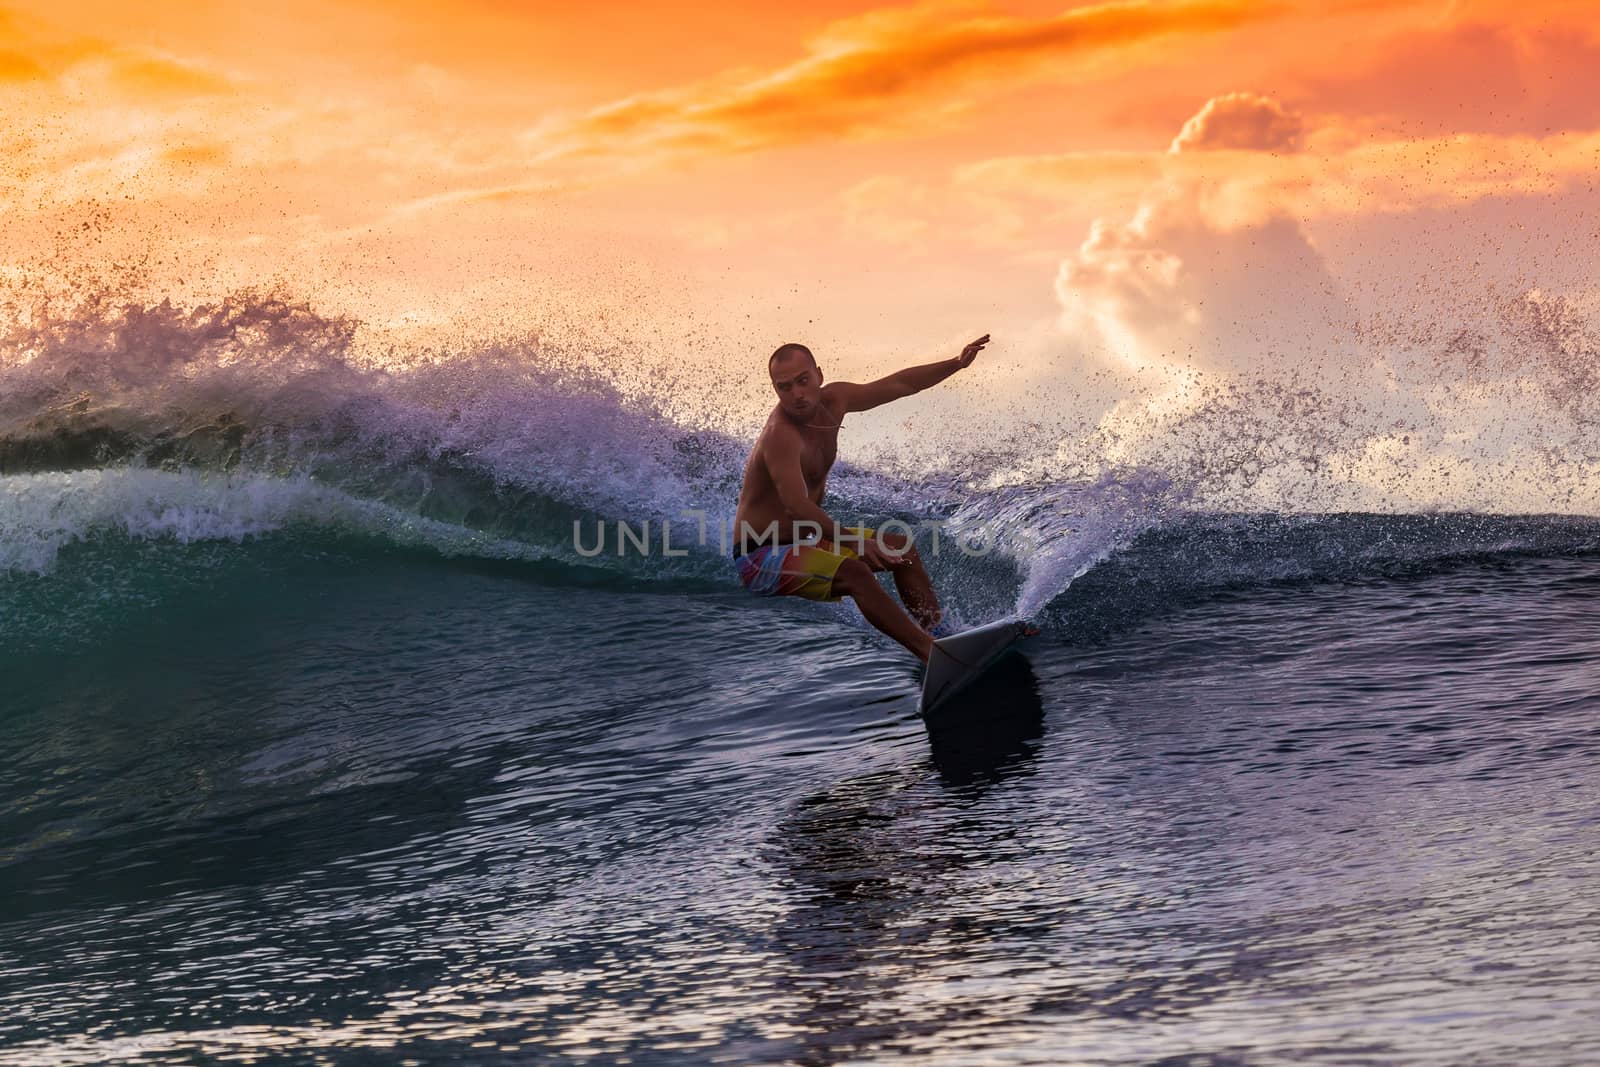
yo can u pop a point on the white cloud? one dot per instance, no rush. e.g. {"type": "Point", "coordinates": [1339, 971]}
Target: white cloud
{"type": "Point", "coordinates": [1241, 121]}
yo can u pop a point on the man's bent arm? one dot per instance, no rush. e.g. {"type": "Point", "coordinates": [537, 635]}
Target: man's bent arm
{"type": "Point", "coordinates": [783, 463]}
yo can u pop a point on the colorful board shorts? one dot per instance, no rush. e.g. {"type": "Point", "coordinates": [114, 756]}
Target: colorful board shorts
{"type": "Point", "coordinates": [800, 570]}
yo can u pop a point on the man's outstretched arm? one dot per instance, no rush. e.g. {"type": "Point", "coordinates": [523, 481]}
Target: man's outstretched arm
{"type": "Point", "coordinates": [903, 383]}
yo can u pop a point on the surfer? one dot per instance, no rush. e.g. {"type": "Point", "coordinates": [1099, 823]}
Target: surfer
{"type": "Point", "coordinates": [780, 503]}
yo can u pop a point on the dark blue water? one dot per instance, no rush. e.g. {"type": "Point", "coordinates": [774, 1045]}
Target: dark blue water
{"type": "Point", "coordinates": [324, 797]}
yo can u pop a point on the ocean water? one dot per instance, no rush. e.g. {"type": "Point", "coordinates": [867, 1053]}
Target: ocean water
{"type": "Point", "coordinates": [320, 740]}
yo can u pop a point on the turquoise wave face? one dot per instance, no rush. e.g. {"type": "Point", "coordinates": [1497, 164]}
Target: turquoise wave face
{"type": "Point", "coordinates": [95, 555]}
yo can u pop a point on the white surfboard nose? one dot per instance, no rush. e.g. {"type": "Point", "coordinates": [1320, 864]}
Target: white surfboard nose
{"type": "Point", "coordinates": [958, 659]}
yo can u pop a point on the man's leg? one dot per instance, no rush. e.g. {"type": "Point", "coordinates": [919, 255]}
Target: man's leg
{"type": "Point", "coordinates": [855, 580]}
{"type": "Point", "coordinates": [911, 581]}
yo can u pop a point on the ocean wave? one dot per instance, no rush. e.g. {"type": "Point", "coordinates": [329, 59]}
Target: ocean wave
{"type": "Point", "coordinates": [263, 384]}
{"type": "Point", "coordinates": [1195, 558]}
{"type": "Point", "coordinates": [1083, 562]}
{"type": "Point", "coordinates": [40, 514]}
{"type": "Point", "coordinates": [254, 415]}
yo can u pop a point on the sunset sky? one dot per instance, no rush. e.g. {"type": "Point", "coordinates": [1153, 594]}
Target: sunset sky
{"type": "Point", "coordinates": [1108, 189]}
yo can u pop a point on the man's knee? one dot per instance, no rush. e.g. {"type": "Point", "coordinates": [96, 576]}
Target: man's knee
{"type": "Point", "coordinates": [851, 577]}
{"type": "Point", "coordinates": [900, 545]}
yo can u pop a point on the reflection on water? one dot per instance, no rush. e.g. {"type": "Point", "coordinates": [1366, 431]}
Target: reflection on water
{"type": "Point", "coordinates": [1347, 824]}
{"type": "Point", "coordinates": [870, 885]}
{"type": "Point", "coordinates": [989, 729]}
{"type": "Point", "coordinates": [859, 892]}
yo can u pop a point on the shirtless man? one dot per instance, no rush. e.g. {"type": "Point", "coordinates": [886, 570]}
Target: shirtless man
{"type": "Point", "coordinates": [780, 505]}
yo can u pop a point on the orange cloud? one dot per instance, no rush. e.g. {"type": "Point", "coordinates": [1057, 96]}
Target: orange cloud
{"type": "Point", "coordinates": [888, 73]}
{"type": "Point", "coordinates": [1203, 256]}
{"type": "Point", "coordinates": [888, 209]}
{"type": "Point", "coordinates": [1095, 178]}
{"type": "Point", "coordinates": [40, 54]}
{"type": "Point", "coordinates": [154, 74]}
{"type": "Point", "coordinates": [1241, 120]}
{"type": "Point", "coordinates": [1215, 269]}
{"type": "Point", "coordinates": [1471, 75]}
{"type": "Point", "coordinates": [14, 66]}
{"type": "Point", "coordinates": [1339, 172]}
{"type": "Point", "coordinates": [205, 155]}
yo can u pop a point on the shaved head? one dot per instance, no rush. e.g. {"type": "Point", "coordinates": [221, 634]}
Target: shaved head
{"type": "Point", "coordinates": [797, 380]}
{"type": "Point", "coordinates": [788, 352]}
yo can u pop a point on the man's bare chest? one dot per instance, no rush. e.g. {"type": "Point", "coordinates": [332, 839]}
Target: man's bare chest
{"type": "Point", "coordinates": [817, 455]}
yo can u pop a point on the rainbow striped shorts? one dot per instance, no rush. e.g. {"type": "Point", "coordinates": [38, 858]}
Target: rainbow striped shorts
{"type": "Point", "coordinates": [804, 570]}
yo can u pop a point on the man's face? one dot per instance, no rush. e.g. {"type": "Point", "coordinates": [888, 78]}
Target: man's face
{"type": "Point", "coordinates": [798, 383]}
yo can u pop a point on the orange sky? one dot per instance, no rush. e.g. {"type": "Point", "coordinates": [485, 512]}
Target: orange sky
{"type": "Point", "coordinates": [1114, 186]}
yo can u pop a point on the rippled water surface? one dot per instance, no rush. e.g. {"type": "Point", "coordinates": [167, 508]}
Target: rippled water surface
{"type": "Point", "coordinates": [373, 806]}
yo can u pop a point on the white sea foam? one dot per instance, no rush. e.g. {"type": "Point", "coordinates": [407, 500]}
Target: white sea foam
{"type": "Point", "coordinates": [275, 418]}
{"type": "Point", "coordinates": [42, 513]}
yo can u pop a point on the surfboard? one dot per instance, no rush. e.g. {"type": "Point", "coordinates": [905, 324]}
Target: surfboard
{"type": "Point", "coordinates": [961, 659]}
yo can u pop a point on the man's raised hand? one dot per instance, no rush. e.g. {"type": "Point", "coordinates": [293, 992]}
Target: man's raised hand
{"type": "Point", "coordinates": [970, 353]}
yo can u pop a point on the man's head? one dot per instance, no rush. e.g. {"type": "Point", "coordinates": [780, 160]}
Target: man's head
{"type": "Point", "coordinates": [797, 380]}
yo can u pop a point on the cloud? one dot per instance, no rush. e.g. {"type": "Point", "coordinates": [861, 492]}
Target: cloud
{"type": "Point", "coordinates": [1241, 161]}
{"type": "Point", "coordinates": [1169, 287]}
{"type": "Point", "coordinates": [887, 208]}
{"type": "Point", "coordinates": [883, 74]}
{"type": "Point", "coordinates": [1243, 121]}
{"type": "Point", "coordinates": [886, 74]}
{"type": "Point", "coordinates": [1178, 287]}
{"type": "Point", "coordinates": [157, 75]}
{"type": "Point", "coordinates": [1252, 368]}
{"type": "Point", "coordinates": [1472, 76]}
{"type": "Point", "coordinates": [1214, 268]}
{"type": "Point", "coordinates": [40, 54]}
{"type": "Point", "coordinates": [16, 67]}
{"type": "Point", "coordinates": [1339, 171]}
{"type": "Point", "coordinates": [1081, 175]}
{"type": "Point", "coordinates": [209, 154]}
